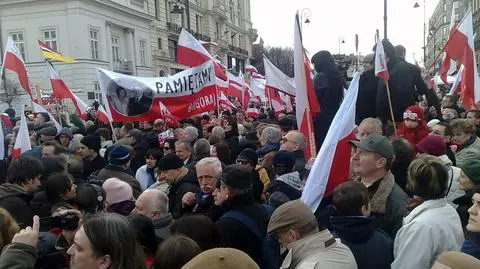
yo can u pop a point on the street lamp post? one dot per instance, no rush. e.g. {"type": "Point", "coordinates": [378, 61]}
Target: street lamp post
{"type": "Point", "coordinates": [385, 19]}
{"type": "Point", "coordinates": [433, 32]}
{"type": "Point", "coordinates": [417, 5]}
{"type": "Point", "coordinates": [305, 17]}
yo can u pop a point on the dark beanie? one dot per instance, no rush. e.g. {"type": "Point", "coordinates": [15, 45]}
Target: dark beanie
{"type": "Point", "coordinates": [250, 155]}
{"type": "Point", "coordinates": [92, 142]}
{"type": "Point", "coordinates": [169, 162]}
{"type": "Point", "coordinates": [237, 177]}
{"type": "Point", "coordinates": [284, 159]}
{"type": "Point", "coordinates": [119, 155]}
{"type": "Point", "coordinates": [472, 170]}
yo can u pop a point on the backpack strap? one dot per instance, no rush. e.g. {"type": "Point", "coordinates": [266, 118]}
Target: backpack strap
{"type": "Point", "coordinates": [245, 221]}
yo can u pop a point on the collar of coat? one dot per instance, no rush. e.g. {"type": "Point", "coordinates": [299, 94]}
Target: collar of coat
{"type": "Point", "coordinates": [379, 199]}
{"type": "Point", "coordinates": [427, 205]}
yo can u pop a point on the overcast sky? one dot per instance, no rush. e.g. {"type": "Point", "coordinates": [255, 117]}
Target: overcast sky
{"type": "Point", "coordinates": [332, 20]}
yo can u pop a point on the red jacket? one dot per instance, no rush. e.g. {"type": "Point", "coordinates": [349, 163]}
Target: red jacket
{"type": "Point", "coordinates": [413, 135]}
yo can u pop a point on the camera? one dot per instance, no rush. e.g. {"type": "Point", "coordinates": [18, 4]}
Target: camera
{"type": "Point", "coordinates": [67, 222]}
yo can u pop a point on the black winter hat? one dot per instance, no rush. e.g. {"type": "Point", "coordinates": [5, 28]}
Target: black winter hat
{"type": "Point", "coordinates": [249, 155]}
{"type": "Point", "coordinates": [169, 162]}
{"type": "Point", "coordinates": [48, 131]}
{"type": "Point", "coordinates": [284, 159]}
{"type": "Point", "coordinates": [92, 142]}
{"type": "Point", "coordinates": [237, 177]}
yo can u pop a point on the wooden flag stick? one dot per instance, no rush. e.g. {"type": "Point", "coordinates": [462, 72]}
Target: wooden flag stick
{"type": "Point", "coordinates": [391, 108]}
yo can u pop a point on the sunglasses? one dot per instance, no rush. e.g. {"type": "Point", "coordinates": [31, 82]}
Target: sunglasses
{"type": "Point", "coordinates": [410, 116]}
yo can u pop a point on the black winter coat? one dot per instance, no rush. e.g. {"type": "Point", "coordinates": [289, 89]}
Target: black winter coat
{"type": "Point", "coordinates": [236, 235]}
{"type": "Point", "coordinates": [371, 248]}
{"type": "Point", "coordinates": [188, 183]}
{"type": "Point", "coordinates": [138, 160]}
{"type": "Point", "coordinates": [367, 95]}
{"type": "Point", "coordinates": [464, 203]}
{"type": "Point", "coordinates": [17, 202]}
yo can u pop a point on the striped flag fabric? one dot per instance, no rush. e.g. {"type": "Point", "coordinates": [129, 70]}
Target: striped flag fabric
{"type": "Point", "coordinates": [22, 142]}
{"type": "Point", "coordinates": [50, 54]}
{"type": "Point", "coordinates": [381, 70]}
{"type": "Point", "coordinates": [447, 63]}
{"type": "Point", "coordinates": [40, 109]}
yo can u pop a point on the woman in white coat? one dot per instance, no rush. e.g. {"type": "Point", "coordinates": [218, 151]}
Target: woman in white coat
{"type": "Point", "coordinates": [146, 174]}
{"type": "Point", "coordinates": [433, 226]}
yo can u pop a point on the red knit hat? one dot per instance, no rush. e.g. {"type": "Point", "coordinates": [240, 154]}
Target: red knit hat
{"type": "Point", "coordinates": [413, 113]}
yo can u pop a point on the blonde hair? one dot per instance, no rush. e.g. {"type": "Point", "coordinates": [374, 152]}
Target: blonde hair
{"type": "Point", "coordinates": [428, 177]}
{"type": "Point", "coordinates": [9, 228]}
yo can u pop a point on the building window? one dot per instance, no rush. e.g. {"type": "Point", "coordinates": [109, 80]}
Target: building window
{"type": "Point", "coordinates": [94, 50]}
{"type": "Point", "coordinates": [91, 95]}
{"type": "Point", "coordinates": [115, 49]}
{"type": "Point", "coordinates": [19, 39]}
{"type": "Point", "coordinates": [50, 38]}
{"type": "Point", "coordinates": [172, 49]}
{"type": "Point", "coordinates": [159, 41]}
{"type": "Point", "coordinates": [444, 18]}
{"type": "Point", "coordinates": [445, 6]}
{"type": "Point", "coordinates": [232, 12]}
{"type": "Point", "coordinates": [198, 25]}
{"type": "Point", "coordinates": [143, 59]}
{"type": "Point", "coordinates": [217, 28]}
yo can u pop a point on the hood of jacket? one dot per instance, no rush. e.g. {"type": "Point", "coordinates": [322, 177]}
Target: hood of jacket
{"type": "Point", "coordinates": [65, 131]}
{"type": "Point", "coordinates": [9, 189]}
{"type": "Point", "coordinates": [354, 229]}
{"type": "Point", "coordinates": [292, 179]}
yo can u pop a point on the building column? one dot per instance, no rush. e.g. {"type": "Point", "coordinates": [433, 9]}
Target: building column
{"type": "Point", "coordinates": [130, 49]}
{"type": "Point", "coordinates": [108, 49]}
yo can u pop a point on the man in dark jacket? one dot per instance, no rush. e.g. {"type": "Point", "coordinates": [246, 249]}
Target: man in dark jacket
{"type": "Point", "coordinates": [372, 161]}
{"type": "Point", "coordinates": [24, 179]}
{"type": "Point", "coordinates": [118, 167]}
{"type": "Point", "coordinates": [89, 149]}
{"type": "Point", "coordinates": [152, 136]}
{"type": "Point", "coordinates": [367, 91]}
{"type": "Point", "coordinates": [235, 195]}
{"type": "Point", "coordinates": [353, 225]}
{"type": "Point", "coordinates": [140, 148]}
{"type": "Point", "coordinates": [180, 181]}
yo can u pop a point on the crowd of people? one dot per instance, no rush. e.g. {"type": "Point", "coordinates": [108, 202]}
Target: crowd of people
{"type": "Point", "coordinates": [222, 190]}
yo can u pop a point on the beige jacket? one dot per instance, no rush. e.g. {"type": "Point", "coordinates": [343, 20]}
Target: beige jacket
{"type": "Point", "coordinates": [319, 251]}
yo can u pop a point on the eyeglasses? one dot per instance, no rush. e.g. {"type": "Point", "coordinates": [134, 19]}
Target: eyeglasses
{"type": "Point", "coordinates": [410, 116]}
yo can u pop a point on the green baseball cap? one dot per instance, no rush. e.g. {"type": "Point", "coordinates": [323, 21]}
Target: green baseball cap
{"type": "Point", "coordinates": [378, 144]}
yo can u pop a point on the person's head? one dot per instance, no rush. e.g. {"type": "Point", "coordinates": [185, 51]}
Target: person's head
{"type": "Point", "coordinates": [369, 126]}
{"type": "Point", "coordinates": [64, 137]}
{"type": "Point", "coordinates": [104, 134]}
{"type": "Point", "coordinates": [351, 199]}
{"type": "Point", "coordinates": [400, 51]}
{"type": "Point", "coordinates": [427, 177]}
{"type": "Point", "coordinates": [175, 252]}
{"type": "Point", "coordinates": [373, 156]}
{"type": "Point", "coordinates": [270, 135]}
{"type": "Point", "coordinates": [152, 157]}
{"type": "Point", "coordinates": [170, 167]}
{"type": "Point", "coordinates": [152, 203]}
{"type": "Point", "coordinates": [59, 187]}
{"type": "Point", "coordinates": [46, 134]}
{"type": "Point", "coordinates": [208, 171]}
{"type": "Point", "coordinates": [220, 258]}
{"type": "Point", "coordinates": [120, 155]}
{"type": "Point", "coordinates": [248, 158]}
{"type": "Point", "coordinates": [444, 130]}
{"type": "Point", "coordinates": [283, 162]}
{"type": "Point", "coordinates": [51, 149]}
{"type": "Point", "coordinates": [324, 62]}
{"type": "Point", "coordinates": [8, 228]}
{"type": "Point", "coordinates": [293, 141]}
{"type": "Point", "coordinates": [90, 146]}
{"type": "Point", "coordinates": [456, 260]}
{"type": "Point", "coordinates": [230, 125]}
{"type": "Point", "coordinates": [159, 124]}
{"type": "Point", "coordinates": [127, 126]}
{"type": "Point", "coordinates": [368, 62]}
{"type": "Point", "coordinates": [473, 116]}
{"type": "Point", "coordinates": [201, 148]}
{"type": "Point", "coordinates": [74, 166]}
{"type": "Point", "coordinates": [412, 117]}
{"type": "Point", "coordinates": [121, 93]}
{"type": "Point", "coordinates": [449, 114]}
{"type": "Point", "coordinates": [117, 191]}
{"type": "Point", "coordinates": [470, 175]}
{"type": "Point", "coordinates": [222, 152]}
{"type": "Point", "coordinates": [448, 101]}
{"type": "Point", "coordinates": [205, 234]}
{"type": "Point", "coordinates": [235, 180]}
{"type": "Point", "coordinates": [474, 211]}
{"type": "Point", "coordinates": [105, 241]}
{"type": "Point", "coordinates": [192, 133]}
{"type": "Point", "coordinates": [240, 116]}
{"type": "Point", "coordinates": [433, 145]}
{"type": "Point", "coordinates": [41, 118]}
{"type": "Point", "coordinates": [292, 221]}
{"type": "Point", "coordinates": [462, 130]}
{"type": "Point", "coordinates": [25, 171]}
{"type": "Point", "coordinates": [219, 132]}
{"type": "Point", "coordinates": [388, 48]}
{"type": "Point", "coordinates": [169, 146]}
{"type": "Point", "coordinates": [90, 198]}
{"type": "Point", "coordinates": [183, 149]}
{"type": "Point", "coordinates": [145, 233]}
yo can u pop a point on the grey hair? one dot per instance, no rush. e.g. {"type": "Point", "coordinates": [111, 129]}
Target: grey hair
{"type": "Point", "coordinates": [159, 202]}
{"type": "Point", "coordinates": [201, 147]}
{"type": "Point", "coordinates": [192, 132]}
{"type": "Point", "coordinates": [212, 161]}
{"type": "Point", "coordinates": [271, 135]}
{"type": "Point", "coordinates": [74, 164]}
{"type": "Point", "coordinates": [218, 131]}
{"type": "Point", "coordinates": [374, 124]}
{"type": "Point", "coordinates": [299, 138]}
{"type": "Point", "coordinates": [184, 144]}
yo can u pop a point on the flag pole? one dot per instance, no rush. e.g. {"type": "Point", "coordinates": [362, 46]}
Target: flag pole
{"type": "Point", "coordinates": [391, 109]}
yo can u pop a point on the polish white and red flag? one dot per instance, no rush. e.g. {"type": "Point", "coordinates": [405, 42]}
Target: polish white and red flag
{"type": "Point", "coordinates": [454, 89]}
{"type": "Point", "coordinates": [166, 115]}
{"type": "Point", "coordinates": [224, 103]}
{"type": "Point", "coordinates": [306, 99]}
{"type": "Point", "coordinates": [331, 167]}
{"type": "Point", "coordinates": [460, 47]}
{"type": "Point", "coordinates": [448, 65]}
{"type": "Point", "coordinates": [236, 86]}
{"type": "Point", "coordinates": [191, 52]}
{"type": "Point", "coordinates": [2, 145]}
{"type": "Point", "coordinates": [13, 61]}
{"type": "Point", "coordinates": [37, 108]}
{"type": "Point", "coordinates": [102, 115]}
{"type": "Point", "coordinates": [22, 142]}
{"type": "Point", "coordinates": [250, 69]}
{"type": "Point", "coordinates": [381, 70]}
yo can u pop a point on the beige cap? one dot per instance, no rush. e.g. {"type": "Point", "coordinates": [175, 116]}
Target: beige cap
{"type": "Point", "coordinates": [221, 258]}
{"type": "Point", "coordinates": [456, 260]}
{"type": "Point", "coordinates": [289, 216]}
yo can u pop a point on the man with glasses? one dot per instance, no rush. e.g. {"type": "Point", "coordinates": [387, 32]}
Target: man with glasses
{"type": "Point", "coordinates": [295, 142]}
{"type": "Point", "coordinates": [248, 158]}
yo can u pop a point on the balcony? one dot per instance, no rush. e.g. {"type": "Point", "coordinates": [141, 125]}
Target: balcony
{"type": "Point", "coordinates": [124, 67]}
{"type": "Point", "coordinates": [238, 50]}
{"type": "Point", "coordinates": [174, 28]}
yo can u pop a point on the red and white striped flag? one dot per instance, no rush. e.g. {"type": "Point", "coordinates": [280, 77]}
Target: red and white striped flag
{"type": "Point", "coordinates": [190, 52]}
{"type": "Point", "coordinates": [166, 115]}
{"type": "Point", "coordinates": [460, 47]}
{"type": "Point", "coordinates": [13, 61]}
{"type": "Point", "coordinates": [2, 145]}
{"type": "Point", "coordinates": [22, 142]}
{"type": "Point", "coordinates": [275, 78]}
{"type": "Point", "coordinates": [447, 63]}
{"type": "Point", "coordinates": [40, 109]}
{"type": "Point", "coordinates": [381, 70]}
{"type": "Point", "coordinates": [102, 115]}
{"type": "Point", "coordinates": [224, 103]}
{"type": "Point", "coordinates": [306, 99]}
{"type": "Point", "coordinates": [331, 167]}
{"type": "Point", "coordinates": [454, 89]}
{"type": "Point", "coordinates": [236, 86]}
{"type": "Point", "coordinates": [250, 69]}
